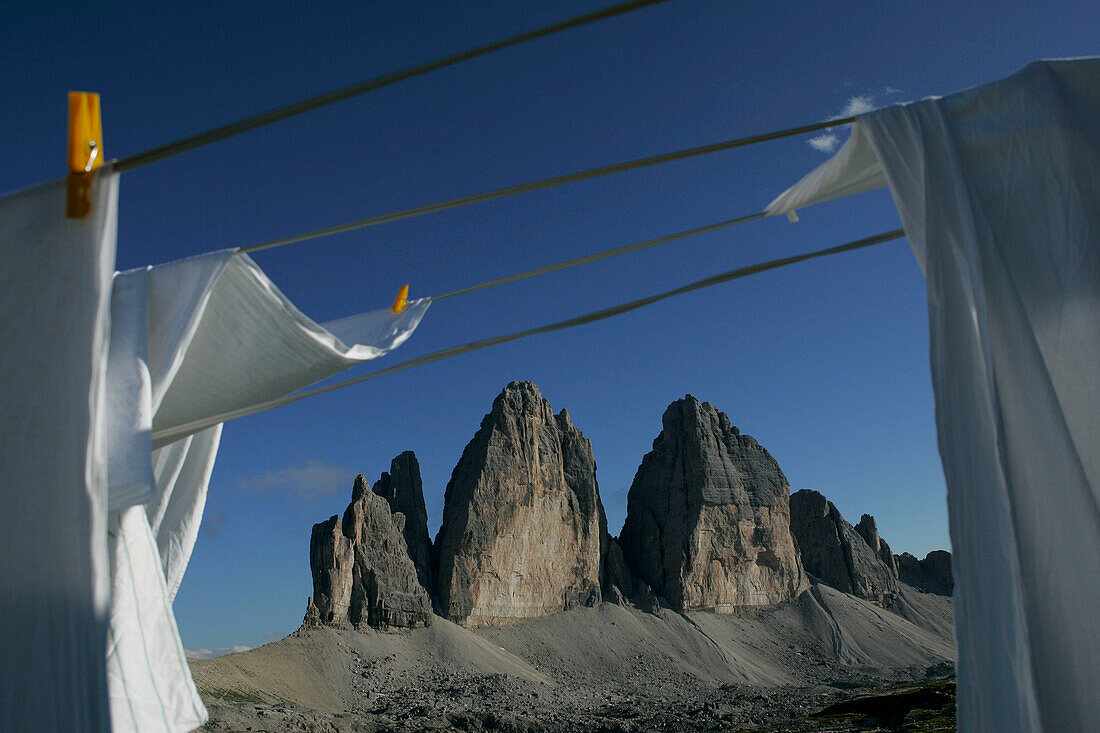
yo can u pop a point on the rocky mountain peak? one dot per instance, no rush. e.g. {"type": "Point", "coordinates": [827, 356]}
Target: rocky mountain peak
{"type": "Point", "coordinates": [519, 398]}
{"type": "Point", "coordinates": [362, 572]}
{"type": "Point", "coordinates": [836, 553]}
{"type": "Point", "coordinates": [868, 530]}
{"type": "Point", "coordinates": [403, 489]}
{"type": "Point", "coordinates": [689, 415]}
{"type": "Point", "coordinates": [359, 488]}
{"type": "Point", "coordinates": [522, 519]}
{"type": "Point", "coordinates": [932, 574]}
{"type": "Point", "coordinates": [707, 522]}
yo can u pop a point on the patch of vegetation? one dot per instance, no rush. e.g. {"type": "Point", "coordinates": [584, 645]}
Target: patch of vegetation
{"type": "Point", "coordinates": [916, 708]}
{"type": "Point", "coordinates": [239, 696]}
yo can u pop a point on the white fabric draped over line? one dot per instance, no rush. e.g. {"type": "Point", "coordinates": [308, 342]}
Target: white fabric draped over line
{"type": "Point", "coordinates": [999, 191]}
{"type": "Point", "coordinates": [102, 383]}
{"type": "Point", "coordinates": [191, 341]}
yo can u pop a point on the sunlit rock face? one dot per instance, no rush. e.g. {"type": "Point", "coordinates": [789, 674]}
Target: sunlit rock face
{"type": "Point", "coordinates": [708, 521]}
{"type": "Point", "coordinates": [522, 519]}
{"type": "Point", "coordinates": [833, 551]}
{"type": "Point", "coordinates": [362, 572]}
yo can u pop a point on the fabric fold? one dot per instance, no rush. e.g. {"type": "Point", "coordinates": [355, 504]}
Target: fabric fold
{"type": "Point", "coordinates": [854, 169]}
{"type": "Point", "coordinates": [55, 300]}
{"type": "Point", "coordinates": [999, 191]}
{"type": "Point", "coordinates": [196, 340]}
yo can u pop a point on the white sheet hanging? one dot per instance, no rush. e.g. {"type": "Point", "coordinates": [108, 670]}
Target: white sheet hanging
{"type": "Point", "coordinates": [999, 191]}
{"type": "Point", "coordinates": [195, 340]}
{"type": "Point", "coordinates": [55, 290]}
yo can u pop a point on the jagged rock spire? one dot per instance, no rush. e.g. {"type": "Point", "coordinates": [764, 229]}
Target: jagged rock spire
{"type": "Point", "coordinates": [404, 490]}
{"type": "Point", "coordinates": [707, 522]}
{"type": "Point", "coordinates": [362, 572]}
{"type": "Point", "coordinates": [522, 519]}
{"type": "Point", "coordinates": [833, 551]}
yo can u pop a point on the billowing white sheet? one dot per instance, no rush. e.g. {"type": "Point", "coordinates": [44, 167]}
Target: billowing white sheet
{"type": "Point", "coordinates": [999, 191]}
{"type": "Point", "coordinates": [196, 340]}
{"type": "Point", "coordinates": [55, 290]}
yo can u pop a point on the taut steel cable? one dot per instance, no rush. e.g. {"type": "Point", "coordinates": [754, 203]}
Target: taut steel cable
{"type": "Point", "coordinates": [321, 100]}
{"type": "Point", "coordinates": [544, 183]}
{"type": "Point", "coordinates": [167, 436]}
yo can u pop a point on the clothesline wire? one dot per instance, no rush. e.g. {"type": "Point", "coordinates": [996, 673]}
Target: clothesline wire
{"type": "Point", "coordinates": [167, 436]}
{"type": "Point", "coordinates": [321, 100]}
{"type": "Point", "coordinates": [545, 183]}
{"type": "Point", "coordinates": [625, 249]}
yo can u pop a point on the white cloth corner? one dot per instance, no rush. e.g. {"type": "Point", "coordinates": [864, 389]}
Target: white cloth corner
{"type": "Point", "coordinates": [999, 191]}
{"type": "Point", "coordinates": [197, 340]}
{"type": "Point", "coordinates": [854, 169]}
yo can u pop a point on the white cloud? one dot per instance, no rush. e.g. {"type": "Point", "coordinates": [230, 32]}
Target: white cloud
{"type": "Point", "coordinates": [825, 143]}
{"type": "Point", "coordinates": [829, 140]}
{"type": "Point", "coordinates": [857, 105]}
{"type": "Point", "coordinates": [211, 653]}
{"type": "Point", "coordinates": [310, 480]}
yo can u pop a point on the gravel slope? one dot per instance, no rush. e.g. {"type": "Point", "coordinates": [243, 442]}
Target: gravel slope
{"type": "Point", "coordinates": [603, 668]}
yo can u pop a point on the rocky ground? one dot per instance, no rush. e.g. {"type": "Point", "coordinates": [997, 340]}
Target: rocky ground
{"type": "Point", "coordinates": [873, 704]}
{"type": "Point", "coordinates": [606, 668]}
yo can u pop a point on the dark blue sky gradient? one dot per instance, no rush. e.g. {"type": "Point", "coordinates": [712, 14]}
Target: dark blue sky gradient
{"type": "Point", "coordinates": [825, 362]}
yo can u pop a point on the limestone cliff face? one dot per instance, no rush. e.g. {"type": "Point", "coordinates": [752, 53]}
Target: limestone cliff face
{"type": "Point", "coordinates": [708, 523]}
{"type": "Point", "coordinates": [362, 572]}
{"type": "Point", "coordinates": [404, 491]}
{"type": "Point", "coordinates": [522, 520]}
{"type": "Point", "coordinates": [932, 574]}
{"type": "Point", "coordinates": [833, 551]}
{"type": "Point", "coordinates": [868, 530]}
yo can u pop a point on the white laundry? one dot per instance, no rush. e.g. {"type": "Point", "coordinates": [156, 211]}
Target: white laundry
{"type": "Point", "coordinates": [999, 191]}
{"type": "Point", "coordinates": [55, 295]}
{"type": "Point", "coordinates": [114, 391]}
{"type": "Point", "coordinates": [197, 340]}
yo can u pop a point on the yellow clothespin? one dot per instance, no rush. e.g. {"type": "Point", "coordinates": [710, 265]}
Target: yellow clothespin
{"type": "Point", "coordinates": [402, 299]}
{"type": "Point", "coordinates": [85, 151]}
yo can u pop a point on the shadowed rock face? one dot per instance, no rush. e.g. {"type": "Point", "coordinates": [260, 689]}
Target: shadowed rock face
{"type": "Point", "coordinates": [932, 574]}
{"type": "Point", "coordinates": [522, 519]}
{"type": "Point", "coordinates": [833, 551]}
{"type": "Point", "coordinates": [362, 572]}
{"type": "Point", "coordinates": [618, 585]}
{"type": "Point", "coordinates": [868, 530]}
{"type": "Point", "coordinates": [708, 524]}
{"type": "Point", "coordinates": [404, 491]}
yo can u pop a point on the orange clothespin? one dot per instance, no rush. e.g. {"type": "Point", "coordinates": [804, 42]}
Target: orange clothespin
{"type": "Point", "coordinates": [85, 151]}
{"type": "Point", "coordinates": [402, 299]}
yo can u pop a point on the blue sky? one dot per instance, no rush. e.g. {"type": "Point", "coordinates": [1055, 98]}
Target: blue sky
{"type": "Point", "coordinates": [825, 362]}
